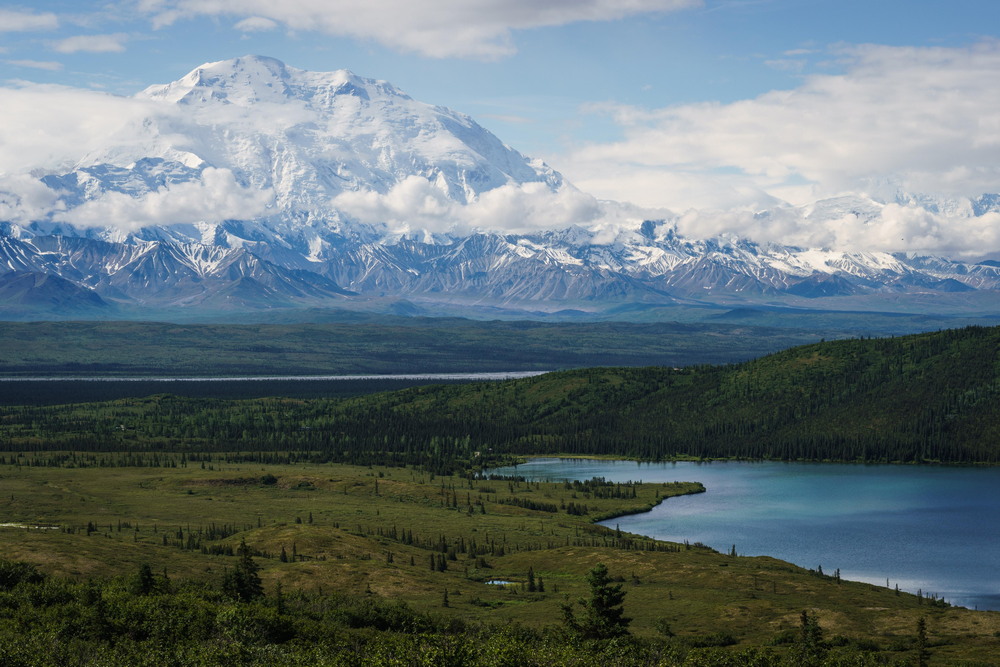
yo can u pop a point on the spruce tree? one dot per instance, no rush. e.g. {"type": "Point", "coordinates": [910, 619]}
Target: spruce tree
{"type": "Point", "coordinates": [243, 583]}
{"type": "Point", "coordinates": [923, 653]}
{"type": "Point", "coordinates": [144, 582]}
{"type": "Point", "coordinates": [809, 651]}
{"type": "Point", "coordinates": [603, 614]}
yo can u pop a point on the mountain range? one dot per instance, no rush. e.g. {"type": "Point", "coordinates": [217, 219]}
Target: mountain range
{"type": "Point", "coordinates": [248, 184]}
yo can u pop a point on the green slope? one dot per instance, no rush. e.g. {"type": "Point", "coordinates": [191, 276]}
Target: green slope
{"type": "Point", "coordinates": [928, 397]}
{"type": "Point", "coordinates": [924, 397]}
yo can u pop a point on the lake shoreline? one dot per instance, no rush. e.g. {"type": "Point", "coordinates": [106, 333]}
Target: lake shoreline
{"type": "Point", "coordinates": [872, 522]}
{"type": "Point", "coordinates": [736, 459]}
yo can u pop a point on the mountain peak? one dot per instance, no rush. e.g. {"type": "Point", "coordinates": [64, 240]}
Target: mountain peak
{"type": "Point", "coordinates": [240, 81]}
{"type": "Point", "coordinates": [251, 79]}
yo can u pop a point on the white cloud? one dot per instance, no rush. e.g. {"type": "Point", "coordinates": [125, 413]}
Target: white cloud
{"type": "Point", "coordinates": [894, 228]}
{"type": "Point", "coordinates": [18, 21]}
{"type": "Point", "coordinates": [24, 198]}
{"type": "Point", "coordinates": [49, 128]}
{"type": "Point", "coordinates": [255, 24]}
{"type": "Point", "coordinates": [92, 44]}
{"type": "Point", "coordinates": [435, 28]}
{"type": "Point", "coordinates": [216, 197]}
{"type": "Point", "coordinates": [530, 207]}
{"type": "Point", "coordinates": [48, 65]}
{"type": "Point", "coordinates": [416, 204]}
{"type": "Point", "coordinates": [920, 120]}
{"type": "Point", "coordinates": [923, 117]}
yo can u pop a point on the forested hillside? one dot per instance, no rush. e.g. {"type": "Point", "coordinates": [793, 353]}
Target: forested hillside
{"type": "Point", "coordinates": [924, 397]}
{"type": "Point", "coordinates": [929, 397]}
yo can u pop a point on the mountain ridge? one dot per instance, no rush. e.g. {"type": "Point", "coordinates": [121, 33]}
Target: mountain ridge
{"type": "Point", "coordinates": [252, 184]}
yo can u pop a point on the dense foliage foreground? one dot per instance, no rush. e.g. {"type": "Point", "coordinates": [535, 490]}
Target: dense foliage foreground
{"type": "Point", "coordinates": [149, 620]}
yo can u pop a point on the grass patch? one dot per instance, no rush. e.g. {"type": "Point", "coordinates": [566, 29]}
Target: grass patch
{"type": "Point", "coordinates": [406, 535]}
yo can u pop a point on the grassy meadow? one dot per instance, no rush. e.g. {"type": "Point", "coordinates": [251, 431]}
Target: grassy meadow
{"type": "Point", "coordinates": [434, 541]}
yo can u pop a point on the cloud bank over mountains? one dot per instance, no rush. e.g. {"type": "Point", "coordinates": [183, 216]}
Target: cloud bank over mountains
{"type": "Point", "coordinates": [893, 120]}
{"type": "Point", "coordinates": [920, 119]}
{"type": "Point", "coordinates": [214, 197]}
{"type": "Point", "coordinates": [916, 130]}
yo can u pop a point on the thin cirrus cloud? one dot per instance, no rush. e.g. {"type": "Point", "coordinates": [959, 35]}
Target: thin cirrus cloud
{"type": "Point", "coordinates": [92, 44]}
{"type": "Point", "coordinates": [47, 65]}
{"type": "Point", "coordinates": [435, 28]}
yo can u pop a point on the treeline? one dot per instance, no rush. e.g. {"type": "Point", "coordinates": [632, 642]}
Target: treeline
{"type": "Point", "coordinates": [929, 397]}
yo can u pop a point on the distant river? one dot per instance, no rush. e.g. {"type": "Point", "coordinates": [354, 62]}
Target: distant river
{"type": "Point", "coordinates": [929, 528]}
{"type": "Point", "coordinates": [55, 390]}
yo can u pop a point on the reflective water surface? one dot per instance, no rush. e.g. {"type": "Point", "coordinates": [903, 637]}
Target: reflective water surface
{"type": "Point", "coordinates": [929, 528]}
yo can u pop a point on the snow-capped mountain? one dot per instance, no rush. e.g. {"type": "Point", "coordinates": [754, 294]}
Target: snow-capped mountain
{"type": "Point", "coordinates": [250, 184]}
{"type": "Point", "coordinates": [293, 140]}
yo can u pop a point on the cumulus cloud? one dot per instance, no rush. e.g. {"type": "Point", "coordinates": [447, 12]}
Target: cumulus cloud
{"type": "Point", "coordinates": [434, 28]}
{"type": "Point", "coordinates": [214, 198]}
{"type": "Point", "coordinates": [892, 227]}
{"type": "Point", "coordinates": [12, 20]}
{"type": "Point", "coordinates": [907, 119]}
{"type": "Point", "coordinates": [47, 129]}
{"type": "Point", "coordinates": [416, 204]}
{"type": "Point", "coordinates": [92, 44]}
{"type": "Point", "coordinates": [24, 198]}
{"type": "Point", "coordinates": [922, 116]}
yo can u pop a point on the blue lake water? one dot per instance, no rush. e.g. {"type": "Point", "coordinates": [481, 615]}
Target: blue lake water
{"type": "Point", "coordinates": [929, 528]}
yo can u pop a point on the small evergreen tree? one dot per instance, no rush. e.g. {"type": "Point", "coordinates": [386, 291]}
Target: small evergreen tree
{"type": "Point", "coordinates": [243, 583]}
{"type": "Point", "coordinates": [143, 583]}
{"type": "Point", "coordinates": [809, 651]}
{"type": "Point", "coordinates": [603, 614]}
{"type": "Point", "coordinates": [923, 653]}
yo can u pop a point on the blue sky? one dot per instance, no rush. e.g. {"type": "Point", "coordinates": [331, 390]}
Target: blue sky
{"type": "Point", "coordinates": [537, 94]}
{"type": "Point", "coordinates": [674, 104]}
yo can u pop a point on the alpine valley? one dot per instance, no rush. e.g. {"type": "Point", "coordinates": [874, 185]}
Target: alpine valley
{"type": "Point", "coordinates": [336, 191]}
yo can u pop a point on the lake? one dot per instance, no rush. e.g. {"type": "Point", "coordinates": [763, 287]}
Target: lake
{"type": "Point", "coordinates": [929, 528]}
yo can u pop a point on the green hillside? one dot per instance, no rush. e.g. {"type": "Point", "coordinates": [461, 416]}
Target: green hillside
{"type": "Point", "coordinates": [928, 397]}
{"type": "Point", "coordinates": [924, 397]}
